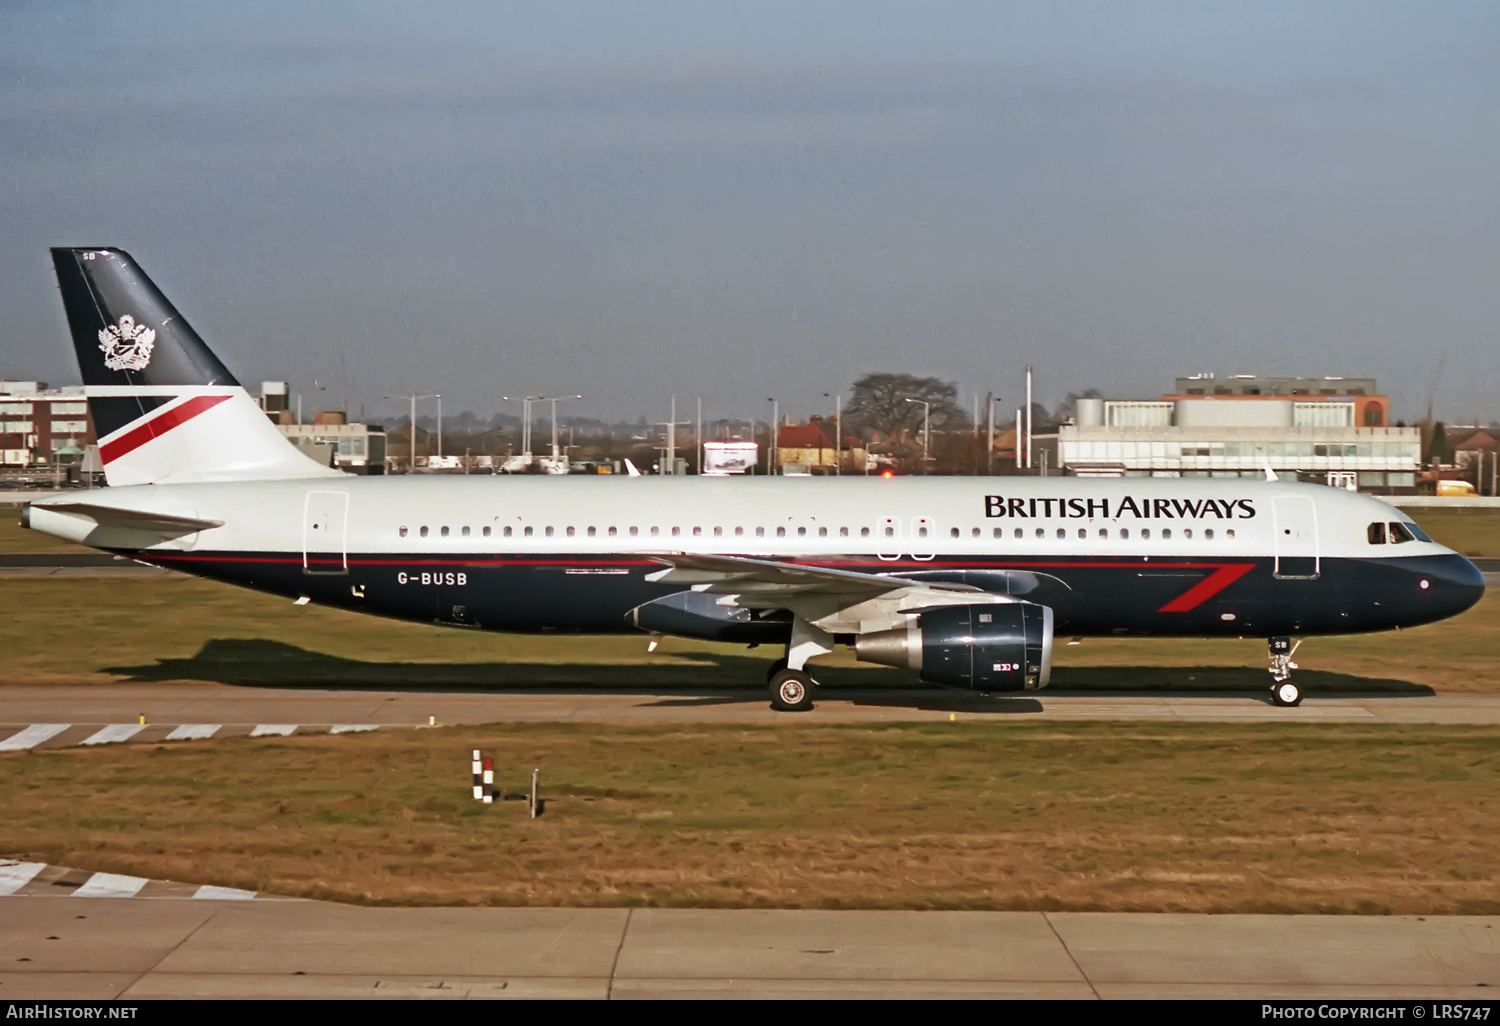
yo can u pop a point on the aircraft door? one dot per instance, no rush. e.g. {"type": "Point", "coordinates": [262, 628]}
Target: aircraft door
{"type": "Point", "coordinates": [1296, 536]}
{"type": "Point", "coordinates": [888, 538]}
{"type": "Point", "coordinates": [325, 519]}
{"type": "Point", "coordinates": [923, 538]}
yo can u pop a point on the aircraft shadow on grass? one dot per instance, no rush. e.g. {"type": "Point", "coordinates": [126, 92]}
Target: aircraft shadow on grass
{"type": "Point", "coordinates": [711, 678]}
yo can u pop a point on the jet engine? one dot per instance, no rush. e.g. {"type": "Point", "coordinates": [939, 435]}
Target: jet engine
{"type": "Point", "coordinates": [999, 647]}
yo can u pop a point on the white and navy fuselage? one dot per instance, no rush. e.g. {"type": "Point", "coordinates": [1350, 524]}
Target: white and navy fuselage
{"type": "Point", "coordinates": [202, 482]}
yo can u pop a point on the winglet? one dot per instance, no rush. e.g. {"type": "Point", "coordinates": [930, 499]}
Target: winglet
{"type": "Point", "coordinates": [630, 469]}
{"type": "Point", "coordinates": [1271, 474]}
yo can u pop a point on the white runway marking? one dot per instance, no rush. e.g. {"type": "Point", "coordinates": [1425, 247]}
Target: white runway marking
{"type": "Point", "coordinates": [15, 875]}
{"type": "Point", "coordinates": [209, 892]}
{"type": "Point", "coordinates": [32, 736]}
{"type": "Point", "coordinates": [193, 731]}
{"type": "Point", "coordinates": [112, 733]}
{"type": "Point", "coordinates": [110, 885]}
{"type": "Point", "coordinates": [350, 728]}
{"type": "Point", "coordinates": [273, 730]}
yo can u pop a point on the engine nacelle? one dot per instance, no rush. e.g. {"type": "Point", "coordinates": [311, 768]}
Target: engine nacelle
{"type": "Point", "coordinates": [999, 647]}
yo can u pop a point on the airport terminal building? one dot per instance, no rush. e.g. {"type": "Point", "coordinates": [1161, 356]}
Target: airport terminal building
{"type": "Point", "coordinates": [1331, 431]}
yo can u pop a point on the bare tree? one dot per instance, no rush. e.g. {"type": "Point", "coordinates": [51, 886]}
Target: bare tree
{"type": "Point", "coordinates": [879, 404]}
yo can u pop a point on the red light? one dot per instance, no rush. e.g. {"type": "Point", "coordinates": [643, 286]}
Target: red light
{"type": "Point", "coordinates": [887, 473]}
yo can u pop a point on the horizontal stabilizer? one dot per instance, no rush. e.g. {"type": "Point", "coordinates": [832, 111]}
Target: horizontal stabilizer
{"type": "Point", "coordinates": [134, 520]}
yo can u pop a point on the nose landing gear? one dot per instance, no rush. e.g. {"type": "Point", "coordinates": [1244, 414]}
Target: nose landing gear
{"type": "Point", "coordinates": [1283, 691]}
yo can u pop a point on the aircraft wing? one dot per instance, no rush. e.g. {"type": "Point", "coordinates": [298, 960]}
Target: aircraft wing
{"type": "Point", "coordinates": [835, 598]}
{"type": "Point", "coordinates": [130, 519]}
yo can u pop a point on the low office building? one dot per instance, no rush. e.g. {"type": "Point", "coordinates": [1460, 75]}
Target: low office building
{"type": "Point", "coordinates": [1328, 430]}
{"type": "Point", "coordinates": [41, 426]}
{"type": "Point", "coordinates": [354, 448]}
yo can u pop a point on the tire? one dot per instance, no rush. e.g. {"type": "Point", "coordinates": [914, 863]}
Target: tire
{"type": "Point", "coordinates": [774, 669]}
{"type": "Point", "coordinates": [792, 691]}
{"type": "Point", "coordinates": [1286, 694]}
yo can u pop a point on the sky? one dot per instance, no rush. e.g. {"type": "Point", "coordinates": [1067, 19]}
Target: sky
{"type": "Point", "coordinates": [636, 200]}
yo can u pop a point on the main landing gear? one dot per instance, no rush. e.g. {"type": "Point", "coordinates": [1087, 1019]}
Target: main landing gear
{"type": "Point", "coordinates": [1283, 691]}
{"type": "Point", "coordinates": [792, 687]}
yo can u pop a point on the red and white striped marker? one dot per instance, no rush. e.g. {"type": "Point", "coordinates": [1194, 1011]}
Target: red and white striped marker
{"type": "Point", "coordinates": [478, 777]}
{"type": "Point", "coordinates": [489, 781]}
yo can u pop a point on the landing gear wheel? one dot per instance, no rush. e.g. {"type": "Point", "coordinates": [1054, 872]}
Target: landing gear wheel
{"type": "Point", "coordinates": [774, 669]}
{"type": "Point", "coordinates": [792, 690]}
{"type": "Point", "coordinates": [1285, 693]}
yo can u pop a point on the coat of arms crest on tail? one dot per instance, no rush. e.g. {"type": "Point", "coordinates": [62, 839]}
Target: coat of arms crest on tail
{"type": "Point", "coordinates": [127, 346]}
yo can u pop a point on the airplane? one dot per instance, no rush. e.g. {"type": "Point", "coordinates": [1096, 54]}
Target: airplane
{"type": "Point", "coordinates": [965, 581]}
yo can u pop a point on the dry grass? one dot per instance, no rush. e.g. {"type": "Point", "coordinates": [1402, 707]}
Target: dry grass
{"type": "Point", "coordinates": [1082, 816]}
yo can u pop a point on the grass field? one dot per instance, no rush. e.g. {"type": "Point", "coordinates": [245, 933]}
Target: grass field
{"type": "Point", "coordinates": [105, 629]}
{"type": "Point", "coordinates": [1204, 818]}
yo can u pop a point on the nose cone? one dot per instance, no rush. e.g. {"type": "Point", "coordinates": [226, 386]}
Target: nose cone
{"type": "Point", "coordinates": [1448, 585]}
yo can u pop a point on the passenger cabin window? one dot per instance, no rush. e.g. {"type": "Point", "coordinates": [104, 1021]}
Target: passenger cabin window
{"type": "Point", "coordinates": [822, 532]}
{"type": "Point", "coordinates": [403, 532]}
{"type": "Point", "coordinates": [1166, 532]}
{"type": "Point", "coordinates": [444, 531]}
{"type": "Point", "coordinates": [1062, 532]}
{"type": "Point", "coordinates": [1040, 533]}
{"type": "Point", "coordinates": [1376, 534]}
{"type": "Point", "coordinates": [953, 533]}
{"type": "Point", "coordinates": [593, 531]}
{"type": "Point", "coordinates": [974, 533]}
{"type": "Point", "coordinates": [843, 532]}
{"type": "Point", "coordinates": [506, 532]}
{"type": "Point", "coordinates": [1083, 532]}
{"type": "Point", "coordinates": [1399, 533]}
{"type": "Point", "coordinates": [571, 532]}
{"type": "Point", "coordinates": [1145, 532]}
{"type": "Point", "coordinates": [739, 532]}
{"type": "Point", "coordinates": [718, 531]}
{"type": "Point", "coordinates": [781, 532]}
{"type": "Point", "coordinates": [864, 532]}
{"type": "Point", "coordinates": [921, 532]}
{"type": "Point", "coordinates": [655, 531]}
{"type": "Point", "coordinates": [613, 531]}
{"type": "Point", "coordinates": [423, 532]}
{"type": "Point", "coordinates": [676, 531]}
{"type": "Point", "coordinates": [1208, 532]}
{"type": "Point", "coordinates": [465, 532]}
{"type": "Point", "coordinates": [486, 532]}
{"type": "Point", "coordinates": [1187, 532]}
{"type": "Point", "coordinates": [549, 532]}
{"type": "Point", "coordinates": [760, 532]}
{"type": "Point", "coordinates": [634, 531]}
{"type": "Point", "coordinates": [1018, 534]}
{"type": "Point", "coordinates": [801, 532]}
{"type": "Point", "coordinates": [527, 532]}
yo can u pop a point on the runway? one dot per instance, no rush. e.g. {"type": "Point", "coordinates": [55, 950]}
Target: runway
{"type": "Point", "coordinates": [103, 948]}
{"type": "Point", "coordinates": [199, 711]}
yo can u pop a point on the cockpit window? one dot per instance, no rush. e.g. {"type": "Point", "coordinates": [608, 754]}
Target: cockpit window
{"type": "Point", "coordinates": [1420, 534]}
{"type": "Point", "coordinates": [1401, 533]}
{"type": "Point", "coordinates": [1376, 534]}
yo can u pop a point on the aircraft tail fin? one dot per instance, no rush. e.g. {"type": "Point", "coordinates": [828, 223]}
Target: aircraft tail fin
{"type": "Point", "coordinates": [164, 408]}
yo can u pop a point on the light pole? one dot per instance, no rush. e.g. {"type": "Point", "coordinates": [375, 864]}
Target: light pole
{"type": "Point", "coordinates": [553, 400]}
{"type": "Point", "coordinates": [926, 428]}
{"type": "Point", "coordinates": [990, 446]}
{"type": "Point", "coordinates": [525, 402]}
{"type": "Point", "coordinates": [771, 446]}
{"type": "Point", "coordinates": [413, 399]}
{"type": "Point", "coordinates": [838, 434]}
